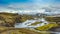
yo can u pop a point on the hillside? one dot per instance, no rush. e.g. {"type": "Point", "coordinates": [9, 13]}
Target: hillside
{"type": "Point", "coordinates": [8, 20]}
{"type": "Point", "coordinates": [11, 30]}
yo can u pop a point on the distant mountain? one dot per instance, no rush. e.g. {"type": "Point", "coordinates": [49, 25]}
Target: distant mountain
{"type": "Point", "coordinates": [44, 10]}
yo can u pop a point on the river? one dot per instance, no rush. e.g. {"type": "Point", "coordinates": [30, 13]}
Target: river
{"type": "Point", "coordinates": [29, 22]}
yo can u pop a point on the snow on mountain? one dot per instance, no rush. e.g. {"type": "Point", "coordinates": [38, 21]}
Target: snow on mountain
{"type": "Point", "coordinates": [24, 11]}
{"type": "Point", "coordinates": [52, 11]}
{"type": "Point", "coordinates": [41, 10]}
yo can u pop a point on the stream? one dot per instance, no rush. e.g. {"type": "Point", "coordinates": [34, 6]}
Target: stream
{"type": "Point", "coordinates": [29, 22]}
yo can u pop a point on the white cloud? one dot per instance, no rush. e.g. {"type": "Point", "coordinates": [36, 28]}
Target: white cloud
{"type": "Point", "coordinates": [28, 8]}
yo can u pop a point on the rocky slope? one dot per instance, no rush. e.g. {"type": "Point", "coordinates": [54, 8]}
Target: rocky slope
{"type": "Point", "coordinates": [9, 19]}
{"type": "Point", "coordinates": [11, 30]}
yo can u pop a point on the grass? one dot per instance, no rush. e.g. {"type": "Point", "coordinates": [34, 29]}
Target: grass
{"type": "Point", "coordinates": [9, 19]}
{"type": "Point", "coordinates": [11, 30]}
{"type": "Point", "coordinates": [35, 23]}
{"type": "Point", "coordinates": [53, 19]}
{"type": "Point", "coordinates": [46, 27]}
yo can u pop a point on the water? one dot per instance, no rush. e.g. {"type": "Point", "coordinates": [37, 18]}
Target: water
{"type": "Point", "coordinates": [29, 22]}
{"type": "Point", "coordinates": [25, 24]}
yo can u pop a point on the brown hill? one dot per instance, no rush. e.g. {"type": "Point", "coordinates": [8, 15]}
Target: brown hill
{"type": "Point", "coordinates": [9, 19]}
{"type": "Point", "coordinates": [11, 30]}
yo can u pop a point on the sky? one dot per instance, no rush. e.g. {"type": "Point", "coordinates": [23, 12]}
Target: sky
{"type": "Point", "coordinates": [5, 2]}
{"type": "Point", "coordinates": [27, 4]}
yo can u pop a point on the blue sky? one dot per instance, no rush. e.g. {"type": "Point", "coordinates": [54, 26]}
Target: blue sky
{"type": "Point", "coordinates": [14, 1]}
{"type": "Point", "coordinates": [28, 3]}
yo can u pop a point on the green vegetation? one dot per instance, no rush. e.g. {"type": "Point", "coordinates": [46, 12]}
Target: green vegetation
{"type": "Point", "coordinates": [53, 19]}
{"type": "Point", "coordinates": [35, 23]}
{"type": "Point", "coordinates": [11, 30]}
{"type": "Point", "coordinates": [46, 27]}
{"type": "Point", "coordinates": [8, 20]}
{"type": "Point", "coordinates": [25, 17]}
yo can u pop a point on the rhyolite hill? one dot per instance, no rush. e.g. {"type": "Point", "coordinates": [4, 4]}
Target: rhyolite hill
{"type": "Point", "coordinates": [9, 19]}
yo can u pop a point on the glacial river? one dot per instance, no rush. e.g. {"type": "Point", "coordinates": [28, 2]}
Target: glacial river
{"type": "Point", "coordinates": [29, 22]}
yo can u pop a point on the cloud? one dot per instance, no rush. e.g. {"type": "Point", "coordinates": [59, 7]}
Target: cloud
{"type": "Point", "coordinates": [29, 6]}
{"type": "Point", "coordinates": [34, 4]}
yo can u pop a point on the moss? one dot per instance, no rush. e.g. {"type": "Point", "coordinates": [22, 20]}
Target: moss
{"type": "Point", "coordinates": [46, 27]}
{"type": "Point", "coordinates": [53, 19]}
{"type": "Point", "coordinates": [11, 30]}
{"type": "Point", "coordinates": [35, 23]}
